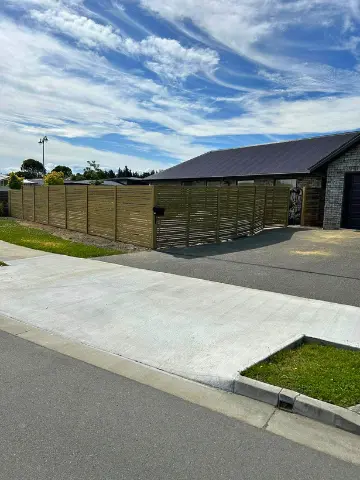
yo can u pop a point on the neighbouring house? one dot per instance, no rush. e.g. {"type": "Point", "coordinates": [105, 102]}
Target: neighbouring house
{"type": "Point", "coordinates": [3, 180]}
{"type": "Point", "coordinates": [330, 162]}
{"type": "Point", "coordinates": [124, 181]}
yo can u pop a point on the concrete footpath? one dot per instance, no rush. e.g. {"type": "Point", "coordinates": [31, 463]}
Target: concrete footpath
{"type": "Point", "coordinates": [197, 329]}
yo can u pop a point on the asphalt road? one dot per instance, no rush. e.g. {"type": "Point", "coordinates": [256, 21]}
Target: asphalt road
{"type": "Point", "coordinates": [64, 419]}
{"type": "Point", "coordinates": [311, 263]}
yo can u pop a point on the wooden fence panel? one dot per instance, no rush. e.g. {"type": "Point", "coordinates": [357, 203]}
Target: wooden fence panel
{"type": "Point", "coordinates": [134, 215]}
{"type": "Point", "coordinates": [312, 214]}
{"type": "Point", "coordinates": [101, 211]}
{"type": "Point", "coordinates": [172, 228]}
{"type": "Point", "coordinates": [41, 204]}
{"type": "Point", "coordinates": [195, 215]}
{"type": "Point", "coordinates": [16, 203]}
{"type": "Point", "coordinates": [29, 203]}
{"type": "Point", "coordinates": [57, 216]}
{"type": "Point", "coordinates": [277, 205]}
{"type": "Point", "coordinates": [259, 208]}
{"type": "Point", "coordinates": [246, 204]}
{"type": "Point", "coordinates": [76, 207]}
{"type": "Point", "coordinates": [201, 205]}
{"type": "Point", "coordinates": [227, 212]}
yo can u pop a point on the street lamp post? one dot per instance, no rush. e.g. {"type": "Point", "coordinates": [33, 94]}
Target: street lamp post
{"type": "Point", "coordinates": [42, 141]}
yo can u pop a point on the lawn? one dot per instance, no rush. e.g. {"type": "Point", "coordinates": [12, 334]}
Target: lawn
{"type": "Point", "coordinates": [13, 232]}
{"type": "Point", "coordinates": [327, 373]}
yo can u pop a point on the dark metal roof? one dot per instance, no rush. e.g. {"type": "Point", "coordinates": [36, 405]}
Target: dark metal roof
{"type": "Point", "coordinates": [292, 157]}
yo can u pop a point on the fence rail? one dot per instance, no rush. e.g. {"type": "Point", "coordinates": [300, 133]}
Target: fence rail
{"type": "Point", "coordinates": [192, 215]}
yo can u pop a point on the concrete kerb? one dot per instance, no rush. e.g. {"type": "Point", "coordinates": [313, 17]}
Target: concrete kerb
{"type": "Point", "coordinates": [344, 418]}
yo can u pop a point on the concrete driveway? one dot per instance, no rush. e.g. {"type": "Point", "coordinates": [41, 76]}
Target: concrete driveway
{"type": "Point", "coordinates": [310, 263]}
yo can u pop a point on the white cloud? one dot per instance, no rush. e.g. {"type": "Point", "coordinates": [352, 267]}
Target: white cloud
{"type": "Point", "coordinates": [171, 59]}
{"type": "Point", "coordinates": [286, 118]}
{"type": "Point", "coordinates": [166, 57]}
{"type": "Point", "coordinates": [85, 30]}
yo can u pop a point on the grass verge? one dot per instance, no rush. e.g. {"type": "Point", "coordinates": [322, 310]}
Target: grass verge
{"type": "Point", "coordinates": [12, 232]}
{"type": "Point", "coordinates": [327, 373]}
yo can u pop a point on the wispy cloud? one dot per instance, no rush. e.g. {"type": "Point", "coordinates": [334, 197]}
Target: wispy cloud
{"type": "Point", "coordinates": [166, 57]}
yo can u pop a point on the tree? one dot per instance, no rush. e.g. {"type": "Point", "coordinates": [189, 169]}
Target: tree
{"type": "Point", "coordinates": [63, 168]}
{"type": "Point", "coordinates": [111, 174]}
{"type": "Point", "coordinates": [93, 171]}
{"type": "Point", "coordinates": [15, 182]}
{"type": "Point", "coordinates": [23, 175]}
{"type": "Point", "coordinates": [33, 167]}
{"type": "Point", "coordinates": [54, 178]}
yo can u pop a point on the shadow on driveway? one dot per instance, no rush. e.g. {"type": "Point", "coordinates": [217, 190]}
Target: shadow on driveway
{"type": "Point", "coordinates": [266, 238]}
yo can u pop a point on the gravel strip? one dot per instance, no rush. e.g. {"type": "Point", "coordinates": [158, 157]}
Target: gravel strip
{"type": "Point", "coordinates": [83, 237]}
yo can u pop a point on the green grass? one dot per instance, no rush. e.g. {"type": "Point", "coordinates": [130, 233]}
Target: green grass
{"type": "Point", "coordinates": [323, 372]}
{"type": "Point", "coordinates": [2, 264]}
{"type": "Point", "coordinates": [13, 232]}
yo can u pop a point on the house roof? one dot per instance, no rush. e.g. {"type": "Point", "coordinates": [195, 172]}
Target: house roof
{"type": "Point", "coordinates": [283, 158]}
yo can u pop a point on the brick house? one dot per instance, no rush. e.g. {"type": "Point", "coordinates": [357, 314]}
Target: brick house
{"type": "Point", "coordinates": [330, 163]}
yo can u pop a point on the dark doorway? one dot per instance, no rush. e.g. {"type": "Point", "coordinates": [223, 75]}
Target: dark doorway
{"type": "Point", "coordinates": [351, 205]}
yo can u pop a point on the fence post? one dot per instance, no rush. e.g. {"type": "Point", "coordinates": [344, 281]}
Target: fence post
{"type": "Point", "coordinates": [65, 206]}
{"type": "Point", "coordinates": [87, 208]}
{"type": "Point", "coordinates": [188, 198]}
{"type": "Point", "coordinates": [34, 203]}
{"type": "Point", "coordinates": [153, 220]}
{"type": "Point", "coordinates": [9, 203]}
{"type": "Point", "coordinates": [237, 211]}
{"type": "Point", "coordinates": [265, 200]}
{"type": "Point", "coordinates": [252, 227]}
{"type": "Point", "coordinates": [22, 203]}
{"type": "Point", "coordinates": [48, 204]}
{"type": "Point", "coordinates": [302, 217]}
{"type": "Point", "coordinates": [218, 216]}
{"type": "Point", "coordinates": [115, 213]}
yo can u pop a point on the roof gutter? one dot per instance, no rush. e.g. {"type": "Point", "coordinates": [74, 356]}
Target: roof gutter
{"type": "Point", "coordinates": [335, 153]}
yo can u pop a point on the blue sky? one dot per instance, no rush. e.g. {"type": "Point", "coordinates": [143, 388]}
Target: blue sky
{"type": "Point", "coordinates": [151, 83]}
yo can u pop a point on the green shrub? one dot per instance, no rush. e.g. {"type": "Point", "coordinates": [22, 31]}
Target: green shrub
{"type": "Point", "coordinates": [15, 182]}
{"type": "Point", "coordinates": [54, 178]}
{"type": "Point", "coordinates": [2, 209]}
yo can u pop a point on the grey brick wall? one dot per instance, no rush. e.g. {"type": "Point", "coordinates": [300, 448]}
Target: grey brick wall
{"type": "Point", "coordinates": [264, 181]}
{"type": "Point", "coordinates": [348, 162]}
{"type": "Point", "coordinates": [310, 181]}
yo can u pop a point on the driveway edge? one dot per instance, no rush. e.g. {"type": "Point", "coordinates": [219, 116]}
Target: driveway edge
{"type": "Point", "coordinates": [295, 402]}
